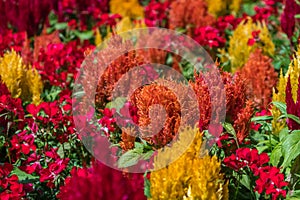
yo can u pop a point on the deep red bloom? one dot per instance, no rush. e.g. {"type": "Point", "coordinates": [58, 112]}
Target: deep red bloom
{"type": "Point", "coordinates": [156, 13]}
{"type": "Point", "coordinates": [292, 107]}
{"type": "Point", "coordinates": [102, 182]}
{"type": "Point", "coordinates": [288, 19]}
{"type": "Point", "coordinates": [208, 36]}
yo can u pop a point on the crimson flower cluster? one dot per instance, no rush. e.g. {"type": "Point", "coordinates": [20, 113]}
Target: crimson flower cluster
{"type": "Point", "coordinates": [102, 182]}
{"type": "Point", "coordinates": [55, 115]}
{"type": "Point", "coordinates": [11, 188]}
{"type": "Point", "coordinates": [209, 36]}
{"type": "Point", "coordinates": [292, 107]}
{"type": "Point", "coordinates": [58, 61]}
{"type": "Point", "coordinates": [156, 13]}
{"type": "Point", "coordinates": [270, 180]}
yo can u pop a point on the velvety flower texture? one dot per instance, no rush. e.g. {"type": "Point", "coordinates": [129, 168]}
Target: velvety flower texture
{"type": "Point", "coordinates": [102, 182]}
{"type": "Point", "coordinates": [21, 80]}
{"type": "Point", "coordinates": [260, 77]}
{"type": "Point", "coordinates": [194, 175]}
{"type": "Point", "coordinates": [24, 15]}
{"type": "Point", "coordinates": [288, 19]}
{"type": "Point", "coordinates": [221, 7]}
{"type": "Point", "coordinates": [246, 38]}
{"type": "Point", "coordinates": [279, 94]}
{"type": "Point", "coordinates": [238, 109]}
{"type": "Point", "coordinates": [293, 107]}
{"type": "Point", "coordinates": [189, 13]}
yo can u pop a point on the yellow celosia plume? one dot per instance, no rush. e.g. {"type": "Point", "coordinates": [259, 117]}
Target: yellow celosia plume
{"type": "Point", "coordinates": [195, 175]}
{"type": "Point", "coordinates": [126, 24]}
{"type": "Point", "coordinates": [22, 81]}
{"type": "Point", "coordinates": [127, 8]}
{"type": "Point", "coordinates": [239, 50]}
{"type": "Point", "coordinates": [293, 72]}
{"type": "Point", "coordinates": [220, 7]}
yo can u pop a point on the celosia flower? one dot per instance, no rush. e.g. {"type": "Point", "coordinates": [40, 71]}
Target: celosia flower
{"type": "Point", "coordinates": [221, 7]}
{"type": "Point", "coordinates": [288, 19]}
{"type": "Point", "coordinates": [128, 8]}
{"type": "Point", "coordinates": [102, 182]}
{"type": "Point", "coordinates": [151, 95]}
{"type": "Point", "coordinates": [280, 93]}
{"type": "Point", "coordinates": [24, 15]}
{"type": "Point", "coordinates": [292, 107]}
{"type": "Point", "coordinates": [194, 175]}
{"type": "Point", "coordinates": [189, 13]}
{"type": "Point", "coordinates": [239, 47]}
{"type": "Point", "coordinates": [21, 80]}
{"type": "Point", "coordinates": [238, 109]}
{"type": "Point", "coordinates": [260, 77]}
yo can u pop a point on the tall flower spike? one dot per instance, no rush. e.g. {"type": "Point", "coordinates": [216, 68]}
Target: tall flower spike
{"type": "Point", "coordinates": [278, 96]}
{"type": "Point", "coordinates": [220, 7]}
{"type": "Point", "coordinates": [128, 8]}
{"type": "Point", "coordinates": [293, 107]}
{"type": "Point", "coordinates": [280, 93]}
{"type": "Point", "coordinates": [246, 38]}
{"type": "Point", "coordinates": [260, 77]}
{"type": "Point", "coordinates": [21, 80]}
{"type": "Point", "coordinates": [195, 175]}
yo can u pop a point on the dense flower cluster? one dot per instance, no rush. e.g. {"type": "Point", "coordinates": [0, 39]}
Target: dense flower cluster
{"type": "Point", "coordinates": [192, 176]}
{"type": "Point", "coordinates": [29, 85]}
{"type": "Point", "coordinates": [246, 38]}
{"type": "Point", "coordinates": [250, 153]}
{"type": "Point", "coordinates": [260, 78]}
{"type": "Point", "coordinates": [270, 180]}
{"type": "Point", "coordinates": [85, 183]}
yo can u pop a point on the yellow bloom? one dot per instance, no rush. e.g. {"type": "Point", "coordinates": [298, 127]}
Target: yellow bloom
{"type": "Point", "coordinates": [127, 8]}
{"type": "Point", "coordinates": [195, 175]}
{"type": "Point", "coordinates": [239, 50]}
{"type": "Point", "coordinates": [293, 72]}
{"type": "Point", "coordinates": [21, 80]}
{"type": "Point", "coordinates": [220, 7]}
{"type": "Point", "coordinates": [280, 97]}
{"type": "Point", "coordinates": [126, 24]}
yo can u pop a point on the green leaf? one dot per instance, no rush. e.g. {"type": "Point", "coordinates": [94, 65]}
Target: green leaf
{"type": "Point", "coordinates": [147, 155]}
{"type": "Point", "coordinates": [86, 35]}
{"type": "Point", "coordinates": [117, 103]}
{"type": "Point", "coordinates": [61, 26]}
{"type": "Point", "coordinates": [261, 118]}
{"type": "Point", "coordinates": [229, 128]}
{"type": "Point", "coordinates": [52, 18]}
{"type": "Point", "coordinates": [281, 106]}
{"type": "Point", "coordinates": [245, 181]}
{"type": "Point", "coordinates": [147, 190]}
{"type": "Point", "coordinates": [138, 145]}
{"type": "Point", "coordinates": [283, 133]}
{"type": "Point", "coordinates": [290, 147]}
{"type": "Point", "coordinates": [23, 176]}
{"type": "Point", "coordinates": [276, 155]}
{"type": "Point", "coordinates": [293, 117]}
{"type": "Point", "coordinates": [129, 158]}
